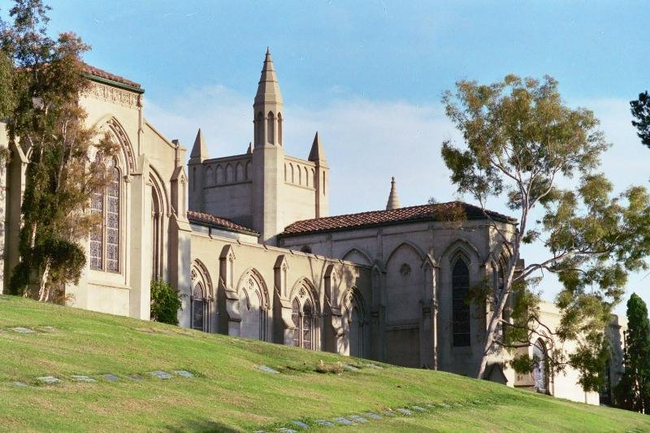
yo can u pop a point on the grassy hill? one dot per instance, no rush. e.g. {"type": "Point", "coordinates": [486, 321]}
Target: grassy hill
{"type": "Point", "coordinates": [229, 392]}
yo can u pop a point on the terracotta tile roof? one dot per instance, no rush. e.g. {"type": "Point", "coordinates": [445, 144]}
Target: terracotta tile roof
{"type": "Point", "coordinates": [91, 70]}
{"type": "Point", "coordinates": [429, 212]}
{"type": "Point", "coordinates": [215, 221]}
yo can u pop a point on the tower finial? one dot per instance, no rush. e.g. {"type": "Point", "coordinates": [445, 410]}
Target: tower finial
{"type": "Point", "coordinates": [393, 199]}
{"type": "Point", "coordinates": [268, 89]}
{"type": "Point", "coordinates": [199, 150]}
{"type": "Point", "coordinates": [317, 154]}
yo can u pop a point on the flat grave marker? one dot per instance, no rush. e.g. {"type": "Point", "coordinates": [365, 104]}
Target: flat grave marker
{"type": "Point", "coordinates": [48, 379]}
{"type": "Point", "coordinates": [81, 378]}
{"type": "Point", "coordinates": [301, 424]}
{"type": "Point", "coordinates": [404, 411]}
{"type": "Point", "coordinates": [267, 369]}
{"type": "Point", "coordinates": [358, 418]}
{"type": "Point", "coordinates": [135, 377]}
{"type": "Point", "coordinates": [419, 408]}
{"type": "Point", "coordinates": [325, 423]}
{"type": "Point", "coordinates": [343, 421]}
{"type": "Point", "coordinates": [160, 374]}
{"type": "Point", "coordinates": [183, 373]}
{"type": "Point", "coordinates": [111, 377]}
{"type": "Point", "coordinates": [19, 384]}
{"type": "Point", "coordinates": [21, 330]}
{"type": "Point", "coordinates": [350, 367]}
{"type": "Point", "coordinates": [372, 415]}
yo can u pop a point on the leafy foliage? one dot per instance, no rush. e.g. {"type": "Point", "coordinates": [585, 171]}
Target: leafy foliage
{"type": "Point", "coordinates": [521, 140]}
{"type": "Point", "coordinates": [45, 119]}
{"type": "Point", "coordinates": [641, 111]}
{"type": "Point", "coordinates": [633, 390]}
{"type": "Point", "coordinates": [165, 302]}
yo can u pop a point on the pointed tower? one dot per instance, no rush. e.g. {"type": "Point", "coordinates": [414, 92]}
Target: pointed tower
{"type": "Point", "coordinates": [196, 172]}
{"type": "Point", "coordinates": [268, 107]}
{"type": "Point", "coordinates": [268, 154]}
{"type": "Point", "coordinates": [393, 199]}
{"type": "Point", "coordinates": [317, 156]}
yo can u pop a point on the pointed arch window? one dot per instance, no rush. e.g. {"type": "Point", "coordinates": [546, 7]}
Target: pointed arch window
{"type": "Point", "coordinates": [199, 315]}
{"type": "Point", "coordinates": [540, 367]}
{"type": "Point", "coordinates": [105, 240]}
{"type": "Point", "coordinates": [303, 322]}
{"type": "Point", "coordinates": [460, 306]}
{"type": "Point", "coordinates": [270, 130]}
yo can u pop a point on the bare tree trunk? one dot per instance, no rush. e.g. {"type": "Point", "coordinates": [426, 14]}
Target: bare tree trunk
{"type": "Point", "coordinates": [43, 291]}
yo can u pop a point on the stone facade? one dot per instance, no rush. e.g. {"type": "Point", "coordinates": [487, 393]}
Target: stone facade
{"type": "Point", "coordinates": [256, 255]}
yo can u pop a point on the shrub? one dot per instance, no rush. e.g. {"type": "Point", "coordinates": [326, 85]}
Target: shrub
{"type": "Point", "coordinates": [165, 302]}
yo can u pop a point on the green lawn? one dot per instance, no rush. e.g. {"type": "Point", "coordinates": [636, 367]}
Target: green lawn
{"type": "Point", "coordinates": [230, 393]}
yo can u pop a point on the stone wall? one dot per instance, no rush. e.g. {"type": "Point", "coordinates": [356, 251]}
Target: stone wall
{"type": "Point", "coordinates": [249, 290]}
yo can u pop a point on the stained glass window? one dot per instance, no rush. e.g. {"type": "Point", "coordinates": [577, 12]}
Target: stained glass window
{"type": "Point", "coordinates": [295, 317]}
{"type": "Point", "coordinates": [198, 307]}
{"type": "Point", "coordinates": [460, 306]}
{"type": "Point", "coordinates": [105, 240]}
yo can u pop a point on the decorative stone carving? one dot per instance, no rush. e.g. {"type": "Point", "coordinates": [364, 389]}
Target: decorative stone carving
{"type": "Point", "coordinates": [114, 95]}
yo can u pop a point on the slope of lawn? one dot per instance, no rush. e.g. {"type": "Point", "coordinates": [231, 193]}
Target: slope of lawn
{"type": "Point", "coordinates": [229, 392]}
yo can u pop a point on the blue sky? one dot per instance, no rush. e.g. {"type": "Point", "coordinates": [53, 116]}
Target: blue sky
{"type": "Point", "coordinates": [369, 76]}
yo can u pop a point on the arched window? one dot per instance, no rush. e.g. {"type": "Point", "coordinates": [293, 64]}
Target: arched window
{"type": "Point", "coordinates": [198, 308]}
{"type": "Point", "coordinates": [259, 128]}
{"type": "Point", "coordinates": [295, 317]}
{"type": "Point", "coordinates": [540, 367]}
{"type": "Point", "coordinates": [105, 240]}
{"type": "Point", "coordinates": [270, 130]}
{"type": "Point", "coordinates": [303, 322]}
{"type": "Point", "coordinates": [280, 129]}
{"type": "Point", "coordinates": [460, 306]}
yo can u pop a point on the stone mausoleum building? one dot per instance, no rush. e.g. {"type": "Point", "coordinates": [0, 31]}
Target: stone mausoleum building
{"type": "Point", "coordinates": [249, 240]}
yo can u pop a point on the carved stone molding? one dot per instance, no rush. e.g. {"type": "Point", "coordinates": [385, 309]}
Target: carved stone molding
{"type": "Point", "coordinates": [114, 95]}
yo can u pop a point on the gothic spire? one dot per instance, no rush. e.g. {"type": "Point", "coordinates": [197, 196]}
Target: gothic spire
{"type": "Point", "coordinates": [393, 199]}
{"type": "Point", "coordinates": [317, 154]}
{"type": "Point", "coordinates": [199, 150]}
{"type": "Point", "coordinates": [268, 89]}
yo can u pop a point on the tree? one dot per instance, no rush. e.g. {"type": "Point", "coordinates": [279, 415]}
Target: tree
{"type": "Point", "coordinates": [641, 111]}
{"type": "Point", "coordinates": [165, 302]}
{"type": "Point", "coordinates": [522, 141]}
{"type": "Point", "coordinates": [633, 390]}
{"type": "Point", "coordinates": [47, 121]}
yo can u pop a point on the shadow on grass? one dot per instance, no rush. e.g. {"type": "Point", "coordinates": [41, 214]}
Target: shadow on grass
{"type": "Point", "coordinates": [200, 425]}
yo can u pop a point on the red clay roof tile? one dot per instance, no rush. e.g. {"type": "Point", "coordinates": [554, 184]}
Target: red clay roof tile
{"type": "Point", "coordinates": [92, 70]}
{"type": "Point", "coordinates": [430, 212]}
{"type": "Point", "coordinates": [215, 221]}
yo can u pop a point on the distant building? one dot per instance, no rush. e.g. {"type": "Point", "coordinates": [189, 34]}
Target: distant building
{"type": "Point", "coordinates": [258, 255]}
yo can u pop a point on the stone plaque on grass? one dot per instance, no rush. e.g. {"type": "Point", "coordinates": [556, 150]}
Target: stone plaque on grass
{"type": "Point", "coordinates": [135, 377]}
{"type": "Point", "coordinates": [267, 369]}
{"type": "Point", "coordinates": [372, 415]}
{"type": "Point", "coordinates": [80, 378]}
{"type": "Point", "coordinates": [419, 408]}
{"type": "Point", "coordinates": [404, 411]}
{"type": "Point", "coordinates": [21, 330]}
{"type": "Point", "coordinates": [19, 384]}
{"type": "Point", "coordinates": [161, 374]}
{"type": "Point", "coordinates": [301, 424]}
{"type": "Point", "coordinates": [111, 377]}
{"type": "Point", "coordinates": [325, 423]}
{"type": "Point", "coordinates": [358, 418]}
{"type": "Point", "coordinates": [350, 367]}
{"type": "Point", "coordinates": [183, 373]}
{"type": "Point", "coordinates": [48, 379]}
{"type": "Point", "coordinates": [344, 421]}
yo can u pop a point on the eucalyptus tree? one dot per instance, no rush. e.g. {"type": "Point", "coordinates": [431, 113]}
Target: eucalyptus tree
{"type": "Point", "coordinates": [521, 144]}
{"type": "Point", "coordinates": [641, 111]}
{"type": "Point", "coordinates": [47, 121]}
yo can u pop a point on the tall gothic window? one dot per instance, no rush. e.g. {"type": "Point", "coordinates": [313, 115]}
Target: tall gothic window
{"type": "Point", "coordinates": [270, 130]}
{"type": "Point", "coordinates": [198, 308]}
{"type": "Point", "coordinates": [303, 322]}
{"type": "Point", "coordinates": [540, 367]}
{"type": "Point", "coordinates": [105, 240]}
{"type": "Point", "coordinates": [460, 307]}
